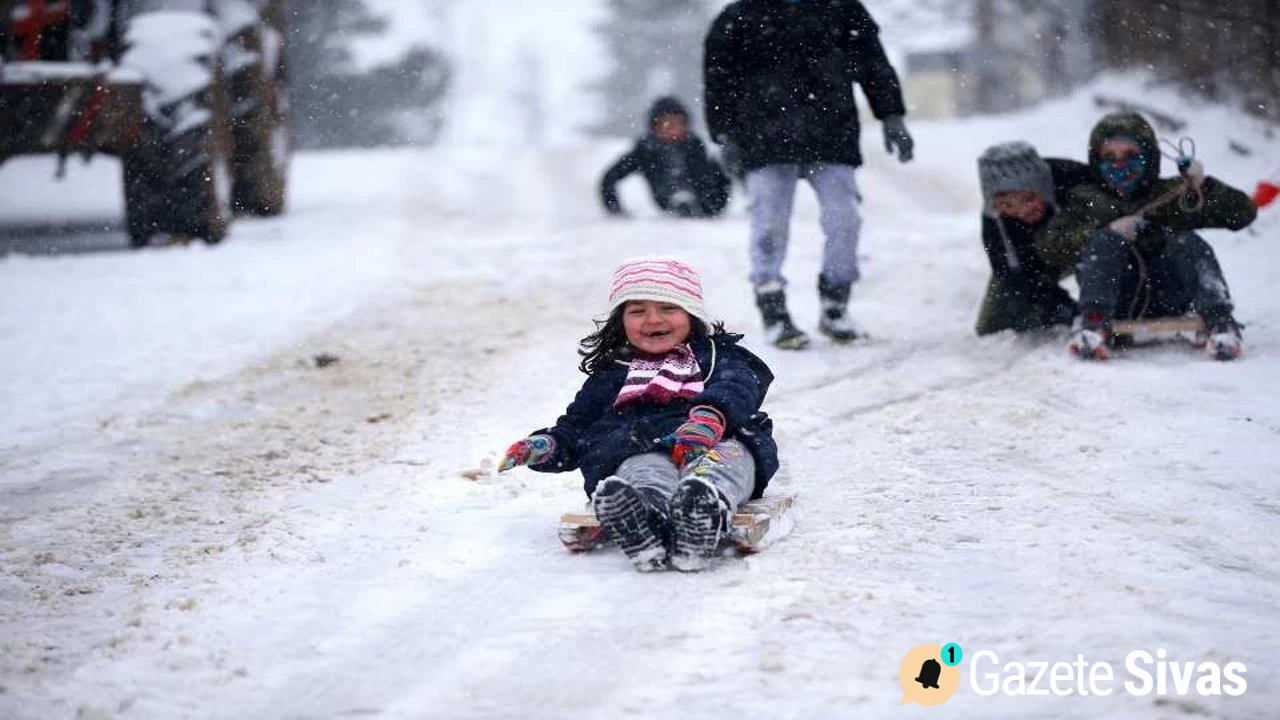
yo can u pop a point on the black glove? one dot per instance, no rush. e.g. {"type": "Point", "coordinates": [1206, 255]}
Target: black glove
{"type": "Point", "coordinates": [896, 136]}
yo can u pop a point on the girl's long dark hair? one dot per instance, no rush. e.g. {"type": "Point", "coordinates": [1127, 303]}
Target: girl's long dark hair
{"type": "Point", "coordinates": [609, 342]}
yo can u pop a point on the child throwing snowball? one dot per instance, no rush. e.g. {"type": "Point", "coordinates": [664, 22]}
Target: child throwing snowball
{"type": "Point", "coordinates": [667, 429]}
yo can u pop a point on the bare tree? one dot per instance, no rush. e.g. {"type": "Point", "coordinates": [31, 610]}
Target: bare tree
{"type": "Point", "coordinates": [1221, 50]}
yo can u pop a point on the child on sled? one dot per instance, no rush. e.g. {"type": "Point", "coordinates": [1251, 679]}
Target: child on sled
{"type": "Point", "coordinates": [1132, 235]}
{"type": "Point", "coordinates": [667, 429]}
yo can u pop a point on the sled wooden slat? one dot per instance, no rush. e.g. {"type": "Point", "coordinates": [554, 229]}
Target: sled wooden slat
{"type": "Point", "coordinates": [1151, 331]}
{"type": "Point", "coordinates": [1159, 326]}
{"type": "Point", "coordinates": [580, 531]}
{"type": "Point", "coordinates": [580, 519]}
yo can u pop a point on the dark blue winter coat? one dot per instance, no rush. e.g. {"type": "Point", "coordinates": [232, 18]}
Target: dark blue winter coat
{"type": "Point", "coordinates": [595, 438]}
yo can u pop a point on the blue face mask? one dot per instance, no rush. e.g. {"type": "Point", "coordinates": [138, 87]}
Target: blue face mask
{"type": "Point", "coordinates": [1124, 175]}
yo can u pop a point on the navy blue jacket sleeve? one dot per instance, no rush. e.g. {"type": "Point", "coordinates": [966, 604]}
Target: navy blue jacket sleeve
{"type": "Point", "coordinates": [588, 406]}
{"type": "Point", "coordinates": [625, 165]}
{"type": "Point", "coordinates": [737, 386]}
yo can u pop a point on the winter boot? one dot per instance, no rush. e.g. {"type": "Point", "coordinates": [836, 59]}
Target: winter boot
{"type": "Point", "coordinates": [1225, 342]}
{"type": "Point", "coordinates": [1092, 339]}
{"type": "Point", "coordinates": [640, 529]}
{"type": "Point", "coordinates": [699, 519]}
{"type": "Point", "coordinates": [835, 324]}
{"type": "Point", "coordinates": [778, 328]}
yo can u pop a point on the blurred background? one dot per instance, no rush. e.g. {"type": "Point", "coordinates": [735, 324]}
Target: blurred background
{"type": "Point", "coordinates": [506, 71]}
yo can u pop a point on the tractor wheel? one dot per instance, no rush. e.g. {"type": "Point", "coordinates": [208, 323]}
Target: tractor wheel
{"type": "Point", "coordinates": [176, 176]}
{"type": "Point", "coordinates": [260, 138]}
{"type": "Point", "coordinates": [177, 184]}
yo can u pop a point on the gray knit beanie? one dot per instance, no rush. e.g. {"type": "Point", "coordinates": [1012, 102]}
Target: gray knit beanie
{"type": "Point", "coordinates": [1013, 167]}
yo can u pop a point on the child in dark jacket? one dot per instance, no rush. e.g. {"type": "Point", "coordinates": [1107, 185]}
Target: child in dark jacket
{"type": "Point", "coordinates": [682, 179]}
{"type": "Point", "coordinates": [1021, 193]}
{"type": "Point", "coordinates": [1132, 236]}
{"type": "Point", "coordinates": [667, 429]}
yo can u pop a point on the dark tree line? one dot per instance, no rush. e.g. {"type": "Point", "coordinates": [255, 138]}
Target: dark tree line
{"type": "Point", "coordinates": [336, 105]}
{"type": "Point", "coordinates": [1222, 49]}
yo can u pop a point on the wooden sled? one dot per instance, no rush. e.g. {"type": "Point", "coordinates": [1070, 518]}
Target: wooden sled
{"type": "Point", "coordinates": [751, 525]}
{"type": "Point", "coordinates": [1185, 329]}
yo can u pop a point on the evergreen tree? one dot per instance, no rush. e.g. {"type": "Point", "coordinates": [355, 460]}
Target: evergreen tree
{"type": "Point", "coordinates": [655, 47]}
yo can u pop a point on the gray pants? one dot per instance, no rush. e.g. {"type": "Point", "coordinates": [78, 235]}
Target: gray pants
{"type": "Point", "coordinates": [729, 468]}
{"type": "Point", "coordinates": [771, 194]}
{"type": "Point", "coordinates": [1183, 276]}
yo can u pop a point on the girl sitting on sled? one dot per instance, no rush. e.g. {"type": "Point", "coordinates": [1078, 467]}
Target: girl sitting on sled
{"type": "Point", "coordinates": [667, 429]}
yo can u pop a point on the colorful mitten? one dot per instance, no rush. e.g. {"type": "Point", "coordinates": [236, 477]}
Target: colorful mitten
{"type": "Point", "coordinates": [697, 435]}
{"type": "Point", "coordinates": [529, 451]}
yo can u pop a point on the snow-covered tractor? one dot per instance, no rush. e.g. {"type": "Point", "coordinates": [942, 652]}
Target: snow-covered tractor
{"type": "Point", "coordinates": [190, 94]}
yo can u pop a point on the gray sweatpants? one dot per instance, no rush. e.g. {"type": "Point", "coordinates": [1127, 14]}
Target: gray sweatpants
{"type": "Point", "coordinates": [771, 196]}
{"type": "Point", "coordinates": [729, 468]}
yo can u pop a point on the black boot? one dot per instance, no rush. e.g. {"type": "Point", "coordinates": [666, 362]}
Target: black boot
{"type": "Point", "coordinates": [778, 328]}
{"type": "Point", "coordinates": [699, 519]}
{"type": "Point", "coordinates": [835, 324]}
{"type": "Point", "coordinates": [640, 528]}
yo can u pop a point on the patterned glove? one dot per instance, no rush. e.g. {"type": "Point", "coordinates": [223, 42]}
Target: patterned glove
{"type": "Point", "coordinates": [529, 451]}
{"type": "Point", "coordinates": [696, 436]}
{"type": "Point", "coordinates": [896, 136]}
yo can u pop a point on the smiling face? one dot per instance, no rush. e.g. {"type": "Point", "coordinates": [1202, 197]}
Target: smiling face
{"type": "Point", "coordinates": [655, 327]}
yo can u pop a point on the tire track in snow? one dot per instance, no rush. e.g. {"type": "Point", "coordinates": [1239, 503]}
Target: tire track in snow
{"type": "Point", "coordinates": [212, 479]}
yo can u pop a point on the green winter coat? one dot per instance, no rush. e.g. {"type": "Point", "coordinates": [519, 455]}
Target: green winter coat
{"type": "Point", "coordinates": [1094, 205]}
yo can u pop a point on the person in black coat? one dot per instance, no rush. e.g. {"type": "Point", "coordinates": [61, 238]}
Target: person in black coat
{"type": "Point", "coordinates": [683, 180]}
{"type": "Point", "coordinates": [1021, 193]}
{"type": "Point", "coordinates": [667, 429]}
{"type": "Point", "coordinates": [779, 80]}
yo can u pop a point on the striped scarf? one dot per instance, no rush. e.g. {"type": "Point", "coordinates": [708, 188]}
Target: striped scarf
{"type": "Point", "coordinates": [659, 379]}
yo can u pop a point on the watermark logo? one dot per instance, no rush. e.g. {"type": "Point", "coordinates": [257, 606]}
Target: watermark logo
{"type": "Point", "coordinates": [930, 674]}
{"type": "Point", "coordinates": [1145, 674]}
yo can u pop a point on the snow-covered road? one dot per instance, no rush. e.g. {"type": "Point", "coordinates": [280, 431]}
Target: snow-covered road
{"type": "Point", "coordinates": [196, 521]}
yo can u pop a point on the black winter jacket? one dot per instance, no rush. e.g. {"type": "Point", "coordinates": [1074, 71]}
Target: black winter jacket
{"type": "Point", "coordinates": [668, 168]}
{"type": "Point", "coordinates": [1014, 260]}
{"type": "Point", "coordinates": [779, 80]}
{"type": "Point", "coordinates": [595, 438]}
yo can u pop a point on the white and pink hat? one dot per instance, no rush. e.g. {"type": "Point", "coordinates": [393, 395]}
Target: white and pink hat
{"type": "Point", "coordinates": [659, 279]}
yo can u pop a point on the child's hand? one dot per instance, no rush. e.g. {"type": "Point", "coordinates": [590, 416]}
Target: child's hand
{"type": "Point", "coordinates": [1128, 226]}
{"type": "Point", "coordinates": [529, 451]}
{"type": "Point", "coordinates": [697, 435]}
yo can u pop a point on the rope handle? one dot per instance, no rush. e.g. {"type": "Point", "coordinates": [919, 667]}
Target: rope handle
{"type": "Point", "coordinates": [1183, 153]}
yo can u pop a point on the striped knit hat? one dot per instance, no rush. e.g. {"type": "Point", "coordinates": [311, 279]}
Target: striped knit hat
{"type": "Point", "coordinates": [660, 279]}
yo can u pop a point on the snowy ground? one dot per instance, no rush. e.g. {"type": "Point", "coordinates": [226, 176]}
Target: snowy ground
{"type": "Point", "coordinates": [195, 521]}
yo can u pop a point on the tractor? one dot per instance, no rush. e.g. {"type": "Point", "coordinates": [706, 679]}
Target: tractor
{"type": "Point", "coordinates": [189, 94]}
